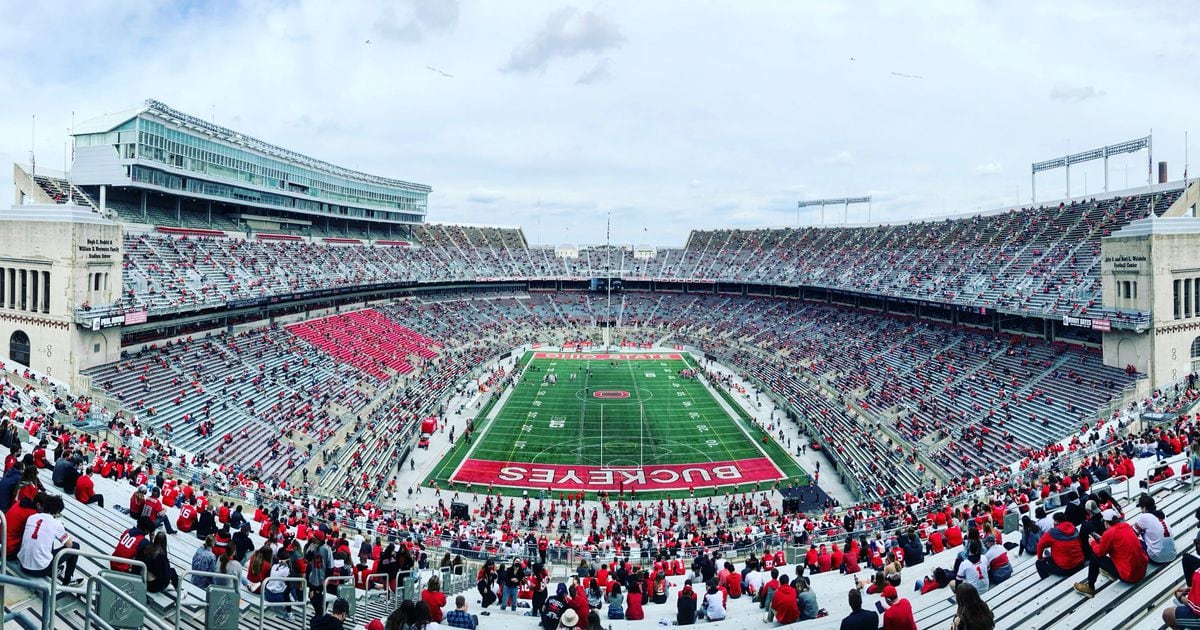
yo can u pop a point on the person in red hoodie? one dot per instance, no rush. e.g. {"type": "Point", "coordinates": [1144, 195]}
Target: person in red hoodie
{"type": "Point", "coordinates": [811, 558]}
{"type": "Point", "coordinates": [784, 604]}
{"type": "Point", "coordinates": [1062, 541]}
{"type": "Point", "coordinates": [837, 558]}
{"type": "Point", "coordinates": [954, 536]}
{"type": "Point", "coordinates": [578, 601]}
{"type": "Point", "coordinates": [824, 560]}
{"type": "Point", "coordinates": [897, 611]}
{"type": "Point", "coordinates": [433, 596]}
{"type": "Point", "coordinates": [1118, 552]}
{"type": "Point", "coordinates": [733, 584]}
{"type": "Point", "coordinates": [936, 543]}
{"type": "Point", "coordinates": [85, 489]}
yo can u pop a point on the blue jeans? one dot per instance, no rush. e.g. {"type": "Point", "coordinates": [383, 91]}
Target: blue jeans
{"type": "Point", "coordinates": [509, 595]}
{"type": "Point", "coordinates": [281, 596]}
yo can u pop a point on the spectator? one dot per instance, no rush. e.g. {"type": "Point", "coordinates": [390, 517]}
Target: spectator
{"type": "Point", "coordinates": [593, 621]}
{"type": "Point", "coordinates": [44, 537]}
{"type": "Point", "coordinates": [433, 596]}
{"type": "Point", "coordinates": [204, 560]}
{"type": "Point", "coordinates": [459, 617]}
{"type": "Point", "coordinates": [806, 599]}
{"type": "Point", "coordinates": [85, 489]}
{"type": "Point", "coordinates": [974, 569]}
{"type": "Point", "coordinates": [713, 606]}
{"type": "Point", "coordinates": [336, 618]}
{"type": "Point", "coordinates": [8, 485]}
{"type": "Point", "coordinates": [1031, 533]}
{"type": "Point", "coordinates": [973, 613]}
{"type": "Point", "coordinates": [633, 596]}
{"type": "Point", "coordinates": [243, 546]}
{"type": "Point", "coordinates": [569, 620]}
{"type": "Point", "coordinates": [1187, 613]}
{"type": "Point", "coordinates": [510, 579]}
{"type": "Point", "coordinates": [897, 611]}
{"type": "Point", "coordinates": [685, 605]}
{"type": "Point", "coordinates": [131, 545]}
{"type": "Point", "coordinates": [159, 572]}
{"type": "Point", "coordinates": [996, 556]}
{"type": "Point", "coordinates": [276, 590]}
{"type": "Point", "coordinates": [1151, 526]}
{"type": "Point", "coordinates": [595, 596]}
{"type": "Point", "coordinates": [318, 560]}
{"type": "Point", "coordinates": [555, 608]}
{"type": "Point", "coordinates": [15, 519]}
{"type": "Point", "coordinates": [1192, 562]}
{"type": "Point", "coordinates": [65, 473]}
{"type": "Point", "coordinates": [1058, 550]}
{"type": "Point", "coordinates": [859, 619]}
{"type": "Point", "coordinates": [784, 604]}
{"type": "Point", "coordinates": [1118, 552]}
{"type": "Point", "coordinates": [228, 565]}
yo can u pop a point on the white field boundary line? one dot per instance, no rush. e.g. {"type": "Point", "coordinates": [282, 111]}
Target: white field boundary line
{"type": "Point", "coordinates": [734, 418]}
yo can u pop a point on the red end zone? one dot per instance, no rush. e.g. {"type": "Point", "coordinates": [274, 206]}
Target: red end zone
{"type": "Point", "coordinates": [607, 357]}
{"type": "Point", "coordinates": [595, 478]}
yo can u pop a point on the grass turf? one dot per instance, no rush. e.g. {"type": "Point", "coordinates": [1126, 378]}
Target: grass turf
{"type": "Point", "coordinates": [666, 419]}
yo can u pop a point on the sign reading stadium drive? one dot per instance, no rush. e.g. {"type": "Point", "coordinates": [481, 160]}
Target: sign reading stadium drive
{"type": "Point", "coordinates": [617, 478]}
{"type": "Point", "coordinates": [607, 357]}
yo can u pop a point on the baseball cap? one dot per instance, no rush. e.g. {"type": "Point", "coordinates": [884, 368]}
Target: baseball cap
{"type": "Point", "coordinates": [889, 592]}
{"type": "Point", "coordinates": [1109, 515]}
{"type": "Point", "coordinates": [569, 619]}
{"type": "Point", "coordinates": [318, 536]}
{"type": "Point", "coordinates": [341, 606]}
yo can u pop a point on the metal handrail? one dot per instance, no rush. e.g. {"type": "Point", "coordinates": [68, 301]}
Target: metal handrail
{"type": "Point", "coordinates": [91, 615]}
{"type": "Point", "coordinates": [54, 589]}
{"type": "Point", "coordinates": [182, 578]}
{"type": "Point", "coordinates": [340, 578]}
{"type": "Point", "coordinates": [263, 604]}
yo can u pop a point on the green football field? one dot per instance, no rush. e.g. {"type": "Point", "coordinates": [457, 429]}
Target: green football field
{"type": "Point", "coordinates": [615, 422]}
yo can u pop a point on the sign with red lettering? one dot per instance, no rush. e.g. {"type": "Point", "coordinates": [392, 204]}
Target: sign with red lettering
{"type": "Point", "coordinates": [614, 478]}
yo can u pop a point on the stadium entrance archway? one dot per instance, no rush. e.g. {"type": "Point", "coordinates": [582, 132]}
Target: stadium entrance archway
{"type": "Point", "coordinates": [18, 347]}
{"type": "Point", "coordinates": [1196, 355]}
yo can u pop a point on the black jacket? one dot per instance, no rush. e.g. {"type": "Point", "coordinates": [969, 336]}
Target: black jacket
{"type": "Point", "coordinates": [327, 622]}
{"type": "Point", "coordinates": [685, 609]}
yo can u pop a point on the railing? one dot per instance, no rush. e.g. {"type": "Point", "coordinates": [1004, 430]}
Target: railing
{"type": "Point", "coordinates": [90, 616]}
{"type": "Point", "coordinates": [263, 604]}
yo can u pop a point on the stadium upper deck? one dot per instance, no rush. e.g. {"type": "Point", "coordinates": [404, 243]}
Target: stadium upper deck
{"type": "Point", "coordinates": [156, 151]}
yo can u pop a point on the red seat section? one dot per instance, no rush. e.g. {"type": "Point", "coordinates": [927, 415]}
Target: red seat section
{"type": "Point", "coordinates": [368, 340]}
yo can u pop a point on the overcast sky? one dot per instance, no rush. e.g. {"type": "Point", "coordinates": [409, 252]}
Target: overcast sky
{"type": "Point", "coordinates": [668, 115]}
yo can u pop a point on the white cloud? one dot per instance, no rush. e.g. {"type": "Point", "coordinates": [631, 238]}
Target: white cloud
{"type": "Point", "coordinates": [598, 73]}
{"type": "Point", "coordinates": [990, 168]}
{"type": "Point", "coordinates": [687, 131]}
{"type": "Point", "coordinates": [1074, 93]}
{"type": "Point", "coordinates": [566, 33]}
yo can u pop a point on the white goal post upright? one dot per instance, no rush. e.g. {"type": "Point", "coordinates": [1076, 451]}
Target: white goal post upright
{"type": "Point", "coordinates": [603, 466]}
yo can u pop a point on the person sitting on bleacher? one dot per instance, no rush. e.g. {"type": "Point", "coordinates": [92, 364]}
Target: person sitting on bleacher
{"type": "Point", "coordinates": [1118, 552]}
{"type": "Point", "coordinates": [206, 522]}
{"type": "Point", "coordinates": [204, 560]}
{"type": "Point", "coordinates": [65, 473]}
{"type": "Point", "coordinates": [159, 572]}
{"type": "Point", "coordinates": [1058, 550]}
{"type": "Point", "coordinates": [784, 604]}
{"type": "Point", "coordinates": [131, 544]}
{"type": "Point", "coordinates": [8, 484]}
{"type": "Point", "coordinates": [16, 517]}
{"type": "Point", "coordinates": [44, 537]}
{"type": "Point", "coordinates": [973, 613]}
{"type": "Point", "coordinates": [1151, 525]}
{"type": "Point", "coordinates": [974, 569]}
{"type": "Point", "coordinates": [153, 509]}
{"type": "Point", "coordinates": [897, 611]}
{"type": "Point", "coordinates": [187, 516]}
{"type": "Point", "coordinates": [85, 489]}
{"type": "Point", "coordinates": [1187, 613]}
{"type": "Point", "coordinates": [277, 590]}
{"type": "Point", "coordinates": [859, 619]}
{"type": "Point", "coordinates": [996, 556]}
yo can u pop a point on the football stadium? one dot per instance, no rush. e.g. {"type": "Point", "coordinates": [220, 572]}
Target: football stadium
{"type": "Point", "coordinates": [247, 383]}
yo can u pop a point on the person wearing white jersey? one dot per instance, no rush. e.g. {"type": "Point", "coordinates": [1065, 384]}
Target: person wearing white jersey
{"type": "Point", "coordinates": [1152, 529]}
{"type": "Point", "coordinates": [44, 536]}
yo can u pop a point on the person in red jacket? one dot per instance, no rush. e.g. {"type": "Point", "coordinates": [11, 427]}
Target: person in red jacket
{"type": "Point", "coordinates": [15, 519]}
{"type": "Point", "coordinates": [733, 585]}
{"type": "Point", "coordinates": [936, 542]}
{"type": "Point", "coordinates": [824, 560]}
{"type": "Point", "coordinates": [85, 489]}
{"type": "Point", "coordinates": [897, 612]}
{"type": "Point", "coordinates": [1118, 552]}
{"type": "Point", "coordinates": [1062, 541]}
{"type": "Point", "coordinates": [784, 604]}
